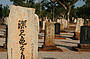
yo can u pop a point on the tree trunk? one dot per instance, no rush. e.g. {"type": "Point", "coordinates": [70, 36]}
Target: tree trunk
{"type": "Point", "coordinates": [68, 13]}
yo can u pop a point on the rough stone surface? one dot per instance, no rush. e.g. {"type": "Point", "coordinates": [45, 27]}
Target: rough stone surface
{"type": "Point", "coordinates": [30, 45]}
{"type": "Point", "coordinates": [80, 23]}
{"type": "Point", "coordinates": [61, 27]}
{"type": "Point", "coordinates": [85, 35]}
{"type": "Point", "coordinates": [65, 23]}
{"type": "Point", "coordinates": [49, 34]}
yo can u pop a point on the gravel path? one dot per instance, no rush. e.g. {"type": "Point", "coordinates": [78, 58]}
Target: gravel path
{"type": "Point", "coordinates": [65, 44]}
{"type": "Point", "coordinates": [57, 55]}
{"type": "Point", "coordinates": [64, 55]}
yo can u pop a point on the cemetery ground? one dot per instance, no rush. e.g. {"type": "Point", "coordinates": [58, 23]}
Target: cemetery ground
{"type": "Point", "coordinates": [64, 42]}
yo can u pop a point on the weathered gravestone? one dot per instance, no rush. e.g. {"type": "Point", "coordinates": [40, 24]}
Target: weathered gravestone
{"type": "Point", "coordinates": [84, 39]}
{"type": "Point", "coordinates": [85, 35]}
{"type": "Point", "coordinates": [49, 34]}
{"type": "Point", "coordinates": [61, 24]}
{"type": "Point", "coordinates": [22, 33]}
{"type": "Point", "coordinates": [65, 23]}
{"type": "Point", "coordinates": [49, 40]}
{"type": "Point", "coordinates": [57, 28]}
{"type": "Point", "coordinates": [80, 22]}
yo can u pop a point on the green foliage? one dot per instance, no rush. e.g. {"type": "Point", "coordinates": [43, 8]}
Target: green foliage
{"type": "Point", "coordinates": [50, 9]}
{"type": "Point", "coordinates": [24, 3]}
{"type": "Point", "coordinates": [45, 8]}
{"type": "Point", "coordinates": [0, 11]}
{"type": "Point", "coordinates": [5, 11]}
{"type": "Point", "coordinates": [84, 11]}
{"type": "Point", "coordinates": [67, 5]}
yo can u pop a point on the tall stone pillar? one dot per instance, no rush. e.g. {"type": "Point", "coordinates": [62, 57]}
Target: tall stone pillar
{"type": "Point", "coordinates": [49, 34]}
{"type": "Point", "coordinates": [22, 33]}
{"type": "Point", "coordinates": [49, 40]}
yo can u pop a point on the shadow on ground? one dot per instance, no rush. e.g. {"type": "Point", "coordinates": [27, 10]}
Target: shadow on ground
{"type": "Point", "coordinates": [68, 47]}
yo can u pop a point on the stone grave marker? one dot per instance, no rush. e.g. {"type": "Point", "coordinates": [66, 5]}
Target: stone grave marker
{"type": "Point", "coordinates": [61, 24]}
{"type": "Point", "coordinates": [84, 45]}
{"type": "Point", "coordinates": [22, 33]}
{"type": "Point", "coordinates": [49, 34]}
{"type": "Point", "coordinates": [49, 40]}
{"type": "Point", "coordinates": [85, 35]}
{"type": "Point", "coordinates": [57, 28]}
{"type": "Point", "coordinates": [80, 22]}
{"type": "Point", "coordinates": [65, 23]}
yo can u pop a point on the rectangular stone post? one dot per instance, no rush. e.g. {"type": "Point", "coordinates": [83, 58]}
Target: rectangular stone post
{"type": "Point", "coordinates": [49, 39]}
{"type": "Point", "coordinates": [85, 37]}
{"type": "Point", "coordinates": [22, 33]}
{"type": "Point", "coordinates": [84, 45]}
{"type": "Point", "coordinates": [80, 23]}
{"type": "Point", "coordinates": [49, 34]}
{"type": "Point", "coordinates": [57, 28]}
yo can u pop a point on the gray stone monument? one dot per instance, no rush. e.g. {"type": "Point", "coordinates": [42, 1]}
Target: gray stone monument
{"type": "Point", "coordinates": [22, 33]}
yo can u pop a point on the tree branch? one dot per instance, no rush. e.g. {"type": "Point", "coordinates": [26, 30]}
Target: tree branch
{"type": "Point", "coordinates": [62, 4]}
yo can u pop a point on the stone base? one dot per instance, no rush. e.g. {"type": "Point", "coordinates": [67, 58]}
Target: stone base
{"type": "Point", "coordinates": [82, 48]}
{"type": "Point", "coordinates": [50, 48]}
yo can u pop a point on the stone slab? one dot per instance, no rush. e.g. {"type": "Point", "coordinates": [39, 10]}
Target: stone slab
{"type": "Point", "coordinates": [85, 35]}
{"type": "Point", "coordinates": [49, 34]}
{"type": "Point", "coordinates": [22, 33]}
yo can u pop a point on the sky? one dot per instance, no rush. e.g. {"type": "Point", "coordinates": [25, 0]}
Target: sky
{"type": "Point", "coordinates": [7, 2]}
{"type": "Point", "coordinates": [79, 4]}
